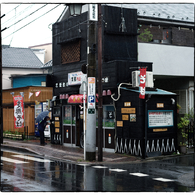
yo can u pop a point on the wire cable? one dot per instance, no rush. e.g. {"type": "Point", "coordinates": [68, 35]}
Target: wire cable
{"type": "Point", "coordinates": [20, 13]}
{"type": "Point", "coordinates": [32, 21]}
{"type": "Point", "coordinates": [27, 16]}
{"type": "Point", "coordinates": [13, 9]}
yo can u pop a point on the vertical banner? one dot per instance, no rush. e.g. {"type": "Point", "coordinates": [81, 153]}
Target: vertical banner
{"type": "Point", "coordinates": [18, 112]}
{"type": "Point", "coordinates": [91, 92]}
{"type": "Point", "coordinates": [142, 82]}
{"type": "Point", "coordinates": [93, 12]}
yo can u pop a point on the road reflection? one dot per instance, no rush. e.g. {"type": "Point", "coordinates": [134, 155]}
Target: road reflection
{"type": "Point", "coordinates": [63, 176]}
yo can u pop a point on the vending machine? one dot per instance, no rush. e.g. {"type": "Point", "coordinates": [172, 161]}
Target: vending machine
{"type": "Point", "coordinates": [41, 107]}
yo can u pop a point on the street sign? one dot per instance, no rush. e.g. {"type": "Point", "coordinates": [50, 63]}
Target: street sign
{"type": "Point", "coordinates": [91, 111]}
{"type": "Point", "coordinates": [91, 92]}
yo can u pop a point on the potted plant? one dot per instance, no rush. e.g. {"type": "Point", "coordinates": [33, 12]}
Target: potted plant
{"type": "Point", "coordinates": [182, 125]}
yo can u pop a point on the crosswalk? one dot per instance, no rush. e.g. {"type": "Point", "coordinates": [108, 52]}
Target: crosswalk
{"type": "Point", "coordinates": [28, 158]}
{"type": "Point", "coordinates": [133, 174]}
{"type": "Point", "coordinates": [24, 159]}
{"type": "Point", "coordinates": [12, 160]}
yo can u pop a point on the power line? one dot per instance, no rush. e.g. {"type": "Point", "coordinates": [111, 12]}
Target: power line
{"type": "Point", "coordinates": [32, 21]}
{"type": "Point", "coordinates": [18, 14]}
{"type": "Point", "coordinates": [27, 16]}
{"type": "Point", "coordinates": [13, 9]}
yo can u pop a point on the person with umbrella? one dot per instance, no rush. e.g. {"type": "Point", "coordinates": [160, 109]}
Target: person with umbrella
{"type": "Point", "coordinates": [42, 121]}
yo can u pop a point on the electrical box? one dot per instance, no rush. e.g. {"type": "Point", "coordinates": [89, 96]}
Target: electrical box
{"type": "Point", "coordinates": [149, 79]}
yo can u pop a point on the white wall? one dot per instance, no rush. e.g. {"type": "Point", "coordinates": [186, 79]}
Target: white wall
{"type": "Point", "coordinates": [168, 59]}
{"type": "Point", "coordinates": [7, 72]}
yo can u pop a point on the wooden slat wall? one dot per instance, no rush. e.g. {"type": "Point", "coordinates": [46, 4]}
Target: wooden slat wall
{"type": "Point", "coordinates": [46, 93]}
{"type": "Point", "coordinates": [8, 111]}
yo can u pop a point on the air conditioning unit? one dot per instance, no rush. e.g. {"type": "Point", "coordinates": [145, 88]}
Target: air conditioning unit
{"type": "Point", "coordinates": [149, 79]}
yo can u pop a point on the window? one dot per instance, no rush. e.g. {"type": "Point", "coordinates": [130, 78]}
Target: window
{"type": "Point", "coordinates": [70, 52]}
{"type": "Point", "coordinates": [167, 36]}
{"type": "Point", "coordinates": [43, 83]}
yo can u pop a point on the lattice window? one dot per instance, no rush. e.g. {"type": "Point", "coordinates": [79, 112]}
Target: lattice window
{"type": "Point", "coordinates": [70, 52]}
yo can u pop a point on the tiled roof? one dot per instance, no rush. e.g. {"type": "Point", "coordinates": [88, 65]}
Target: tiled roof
{"type": "Point", "coordinates": [20, 58]}
{"type": "Point", "coordinates": [170, 11]}
{"type": "Point", "coordinates": [47, 65]}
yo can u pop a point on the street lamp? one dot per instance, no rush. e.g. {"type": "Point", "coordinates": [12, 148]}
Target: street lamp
{"type": "Point", "coordinates": [75, 8]}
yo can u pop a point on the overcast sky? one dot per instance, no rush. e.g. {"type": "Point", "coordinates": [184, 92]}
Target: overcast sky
{"type": "Point", "coordinates": [35, 33]}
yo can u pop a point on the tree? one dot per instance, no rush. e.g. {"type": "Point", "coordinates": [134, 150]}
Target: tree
{"type": "Point", "coordinates": [146, 36]}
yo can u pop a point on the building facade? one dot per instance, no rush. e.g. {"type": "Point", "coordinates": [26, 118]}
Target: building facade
{"type": "Point", "coordinates": [119, 58]}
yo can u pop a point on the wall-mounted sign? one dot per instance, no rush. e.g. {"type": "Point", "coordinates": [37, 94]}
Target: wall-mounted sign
{"type": "Point", "coordinates": [125, 117]}
{"type": "Point", "coordinates": [160, 105]}
{"type": "Point", "coordinates": [57, 124]}
{"type": "Point", "coordinates": [128, 110]}
{"type": "Point", "coordinates": [160, 118]}
{"type": "Point", "coordinates": [57, 130]}
{"type": "Point", "coordinates": [93, 12]}
{"type": "Point", "coordinates": [132, 117]}
{"type": "Point", "coordinates": [91, 92]}
{"type": "Point", "coordinates": [74, 78]}
{"type": "Point", "coordinates": [159, 130]}
{"type": "Point", "coordinates": [127, 104]}
{"type": "Point", "coordinates": [119, 123]}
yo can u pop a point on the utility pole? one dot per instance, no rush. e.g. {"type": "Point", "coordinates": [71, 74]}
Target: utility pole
{"type": "Point", "coordinates": [1, 109]}
{"type": "Point", "coordinates": [100, 109]}
{"type": "Point", "coordinates": [91, 112]}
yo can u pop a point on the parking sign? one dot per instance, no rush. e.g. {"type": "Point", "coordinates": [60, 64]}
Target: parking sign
{"type": "Point", "coordinates": [91, 92]}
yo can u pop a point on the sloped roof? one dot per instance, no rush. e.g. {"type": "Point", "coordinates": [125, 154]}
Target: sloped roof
{"type": "Point", "coordinates": [20, 58]}
{"type": "Point", "coordinates": [170, 11]}
{"type": "Point", "coordinates": [183, 12]}
{"type": "Point", "coordinates": [47, 64]}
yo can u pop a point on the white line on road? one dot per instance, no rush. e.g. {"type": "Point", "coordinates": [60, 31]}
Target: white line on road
{"type": "Point", "coordinates": [32, 158]}
{"type": "Point", "coordinates": [99, 167]}
{"type": "Point", "coordinates": [163, 179]}
{"type": "Point", "coordinates": [12, 160]}
{"type": "Point", "coordinates": [117, 170]}
{"type": "Point", "coordinates": [139, 174]}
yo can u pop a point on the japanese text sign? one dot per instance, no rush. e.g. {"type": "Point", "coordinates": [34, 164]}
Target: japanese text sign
{"type": "Point", "coordinates": [142, 84]}
{"type": "Point", "coordinates": [91, 92]}
{"type": "Point", "coordinates": [18, 112]}
{"type": "Point", "coordinates": [74, 78]}
{"type": "Point", "coordinates": [93, 12]}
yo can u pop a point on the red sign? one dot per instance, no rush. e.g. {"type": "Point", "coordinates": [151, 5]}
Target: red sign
{"type": "Point", "coordinates": [142, 82]}
{"type": "Point", "coordinates": [18, 112]}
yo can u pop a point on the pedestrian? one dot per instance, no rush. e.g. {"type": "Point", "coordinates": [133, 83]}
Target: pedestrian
{"type": "Point", "coordinates": [41, 128]}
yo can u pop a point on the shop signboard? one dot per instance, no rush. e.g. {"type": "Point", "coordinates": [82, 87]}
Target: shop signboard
{"type": "Point", "coordinates": [18, 112]}
{"type": "Point", "coordinates": [74, 78]}
{"type": "Point", "coordinates": [162, 118]}
{"type": "Point", "coordinates": [93, 12]}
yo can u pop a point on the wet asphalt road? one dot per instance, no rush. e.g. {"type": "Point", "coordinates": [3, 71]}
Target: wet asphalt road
{"type": "Point", "coordinates": [22, 172]}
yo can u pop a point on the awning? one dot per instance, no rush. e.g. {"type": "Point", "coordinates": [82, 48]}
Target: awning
{"type": "Point", "coordinates": [76, 99]}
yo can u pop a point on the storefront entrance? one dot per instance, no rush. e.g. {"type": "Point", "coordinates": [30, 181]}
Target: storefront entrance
{"type": "Point", "coordinates": [72, 125]}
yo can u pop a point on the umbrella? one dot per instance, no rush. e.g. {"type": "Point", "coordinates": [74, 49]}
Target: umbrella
{"type": "Point", "coordinates": [41, 116]}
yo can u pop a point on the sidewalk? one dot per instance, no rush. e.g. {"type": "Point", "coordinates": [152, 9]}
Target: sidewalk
{"type": "Point", "coordinates": [71, 154]}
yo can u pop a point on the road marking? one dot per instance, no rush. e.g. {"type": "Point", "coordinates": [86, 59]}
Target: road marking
{"type": "Point", "coordinates": [139, 174]}
{"type": "Point", "coordinates": [84, 164]}
{"type": "Point", "coordinates": [117, 170]}
{"type": "Point", "coordinates": [32, 158]}
{"type": "Point", "coordinates": [12, 160]}
{"type": "Point", "coordinates": [163, 179]}
{"type": "Point", "coordinates": [99, 167]}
